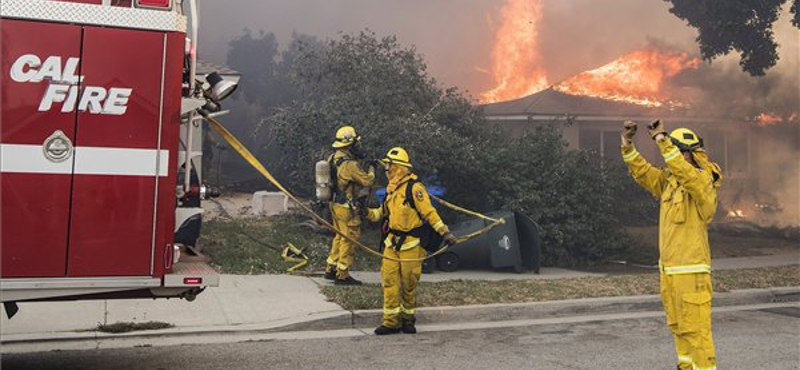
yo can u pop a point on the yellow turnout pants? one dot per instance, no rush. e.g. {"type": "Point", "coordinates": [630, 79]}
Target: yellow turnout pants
{"type": "Point", "coordinates": [687, 302]}
{"type": "Point", "coordinates": [399, 280]}
{"type": "Point", "coordinates": [342, 250]}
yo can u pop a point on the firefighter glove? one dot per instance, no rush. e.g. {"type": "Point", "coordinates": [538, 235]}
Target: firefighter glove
{"type": "Point", "coordinates": [361, 210]}
{"type": "Point", "coordinates": [628, 132]}
{"type": "Point", "coordinates": [656, 127]}
{"type": "Point", "coordinates": [377, 164]}
{"type": "Point", "coordinates": [450, 239]}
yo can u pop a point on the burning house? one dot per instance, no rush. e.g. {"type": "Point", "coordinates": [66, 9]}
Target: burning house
{"type": "Point", "coordinates": [761, 162]}
{"type": "Point", "coordinates": [760, 155]}
{"type": "Point", "coordinates": [750, 125]}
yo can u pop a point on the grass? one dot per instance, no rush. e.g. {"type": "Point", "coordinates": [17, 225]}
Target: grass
{"type": "Point", "coordinates": [464, 292]}
{"type": "Point", "coordinates": [124, 327]}
{"type": "Point", "coordinates": [253, 246]}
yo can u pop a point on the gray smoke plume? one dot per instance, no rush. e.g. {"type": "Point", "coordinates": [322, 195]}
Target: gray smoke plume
{"type": "Point", "coordinates": [456, 39]}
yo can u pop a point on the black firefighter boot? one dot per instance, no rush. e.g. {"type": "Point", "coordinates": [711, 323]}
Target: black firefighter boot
{"type": "Point", "coordinates": [409, 327]}
{"type": "Point", "coordinates": [330, 273]}
{"type": "Point", "coordinates": [347, 281]}
{"type": "Point", "coordinates": [385, 330]}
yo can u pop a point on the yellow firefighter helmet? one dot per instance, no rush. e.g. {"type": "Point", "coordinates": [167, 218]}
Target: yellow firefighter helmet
{"type": "Point", "coordinates": [346, 136]}
{"type": "Point", "coordinates": [397, 156]}
{"type": "Point", "coordinates": [686, 140]}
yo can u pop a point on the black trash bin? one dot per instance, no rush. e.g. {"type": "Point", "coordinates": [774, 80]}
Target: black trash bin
{"type": "Point", "coordinates": [514, 245]}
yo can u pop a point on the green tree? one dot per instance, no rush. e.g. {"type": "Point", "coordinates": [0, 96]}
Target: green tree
{"type": "Point", "coordinates": [569, 193]}
{"type": "Point", "coordinates": [265, 85]}
{"type": "Point", "coordinates": [257, 59]}
{"type": "Point", "coordinates": [383, 90]}
{"type": "Point", "coordinates": [744, 26]}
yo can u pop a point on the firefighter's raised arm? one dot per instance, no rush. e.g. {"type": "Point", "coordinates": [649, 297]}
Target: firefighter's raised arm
{"type": "Point", "coordinates": [351, 171]}
{"type": "Point", "coordinates": [646, 175]}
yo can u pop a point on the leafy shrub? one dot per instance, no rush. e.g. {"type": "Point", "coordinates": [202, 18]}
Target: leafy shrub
{"type": "Point", "coordinates": [384, 91]}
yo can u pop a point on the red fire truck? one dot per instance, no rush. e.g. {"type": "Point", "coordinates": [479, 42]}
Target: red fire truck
{"type": "Point", "coordinates": [99, 145]}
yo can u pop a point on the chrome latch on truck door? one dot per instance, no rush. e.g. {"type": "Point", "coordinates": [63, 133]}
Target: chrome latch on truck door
{"type": "Point", "coordinates": [57, 148]}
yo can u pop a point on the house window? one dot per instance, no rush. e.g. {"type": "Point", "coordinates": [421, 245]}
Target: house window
{"type": "Point", "coordinates": [730, 149]}
{"type": "Point", "coordinates": [611, 142]}
{"type": "Point", "coordinates": [590, 139]}
{"type": "Point", "coordinates": [603, 142]}
{"type": "Point", "coordinates": [714, 143]}
{"type": "Point", "coordinates": [737, 152]}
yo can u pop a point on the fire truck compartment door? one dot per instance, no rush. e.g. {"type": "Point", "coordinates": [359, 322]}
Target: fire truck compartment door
{"type": "Point", "coordinates": [36, 140]}
{"type": "Point", "coordinates": [119, 160]}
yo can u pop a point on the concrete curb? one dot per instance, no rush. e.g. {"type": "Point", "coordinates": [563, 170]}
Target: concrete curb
{"type": "Point", "coordinates": [548, 309]}
{"type": "Point", "coordinates": [328, 320]}
{"type": "Point", "coordinates": [341, 319]}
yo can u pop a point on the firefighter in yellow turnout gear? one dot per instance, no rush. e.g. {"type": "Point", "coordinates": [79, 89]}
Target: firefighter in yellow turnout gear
{"type": "Point", "coordinates": [403, 241]}
{"type": "Point", "coordinates": [687, 190]}
{"type": "Point", "coordinates": [350, 180]}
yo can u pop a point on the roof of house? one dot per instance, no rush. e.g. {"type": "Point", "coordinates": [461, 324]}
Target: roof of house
{"type": "Point", "coordinates": [552, 102]}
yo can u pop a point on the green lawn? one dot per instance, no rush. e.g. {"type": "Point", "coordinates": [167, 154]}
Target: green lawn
{"type": "Point", "coordinates": [467, 292]}
{"type": "Point", "coordinates": [253, 246]}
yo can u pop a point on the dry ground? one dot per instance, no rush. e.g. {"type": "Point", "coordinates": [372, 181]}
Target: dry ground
{"type": "Point", "coordinates": [725, 245]}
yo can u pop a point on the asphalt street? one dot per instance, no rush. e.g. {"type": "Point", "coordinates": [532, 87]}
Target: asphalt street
{"type": "Point", "coordinates": [747, 338]}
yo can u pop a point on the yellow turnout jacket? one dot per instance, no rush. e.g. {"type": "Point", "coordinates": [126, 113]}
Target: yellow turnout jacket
{"type": "Point", "coordinates": [350, 177]}
{"type": "Point", "coordinates": [402, 217]}
{"type": "Point", "coordinates": [688, 203]}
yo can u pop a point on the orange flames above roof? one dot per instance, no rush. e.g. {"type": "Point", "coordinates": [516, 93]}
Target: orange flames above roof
{"type": "Point", "coordinates": [638, 77]}
{"type": "Point", "coordinates": [517, 67]}
{"type": "Point", "coordinates": [516, 61]}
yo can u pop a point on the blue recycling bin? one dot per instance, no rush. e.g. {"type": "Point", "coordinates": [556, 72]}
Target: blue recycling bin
{"type": "Point", "coordinates": [432, 190]}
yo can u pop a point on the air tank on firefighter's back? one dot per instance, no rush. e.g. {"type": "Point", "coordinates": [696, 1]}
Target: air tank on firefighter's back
{"type": "Point", "coordinates": [322, 174]}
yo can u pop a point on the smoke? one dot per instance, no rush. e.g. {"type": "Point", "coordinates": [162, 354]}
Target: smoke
{"type": "Point", "coordinates": [772, 196]}
{"type": "Point", "coordinates": [580, 35]}
{"type": "Point", "coordinates": [576, 35]}
{"type": "Point", "coordinates": [452, 48]}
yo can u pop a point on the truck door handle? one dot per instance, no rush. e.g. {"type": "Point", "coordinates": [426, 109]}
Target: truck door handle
{"type": "Point", "coordinates": [57, 147]}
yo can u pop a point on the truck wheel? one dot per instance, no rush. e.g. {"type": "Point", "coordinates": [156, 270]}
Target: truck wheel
{"type": "Point", "coordinates": [447, 261]}
{"type": "Point", "coordinates": [428, 266]}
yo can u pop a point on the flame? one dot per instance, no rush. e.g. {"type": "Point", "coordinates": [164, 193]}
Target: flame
{"type": "Point", "coordinates": [737, 213]}
{"type": "Point", "coordinates": [517, 67]}
{"type": "Point", "coordinates": [768, 118]}
{"type": "Point", "coordinates": [637, 78]}
{"type": "Point", "coordinates": [516, 62]}
{"type": "Point", "coordinates": [765, 119]}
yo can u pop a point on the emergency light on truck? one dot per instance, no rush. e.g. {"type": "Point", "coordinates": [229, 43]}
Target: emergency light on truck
{"type": "Point", "coordinates": [193, 281]}
{"type": "Point", "coordinates": [154, 4]}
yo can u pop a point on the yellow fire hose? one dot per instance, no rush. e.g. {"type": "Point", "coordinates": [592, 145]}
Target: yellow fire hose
{"type": "Point", "coordinates": [293, 254]}
{"type": "Point", "coordinates": [251, 159]}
